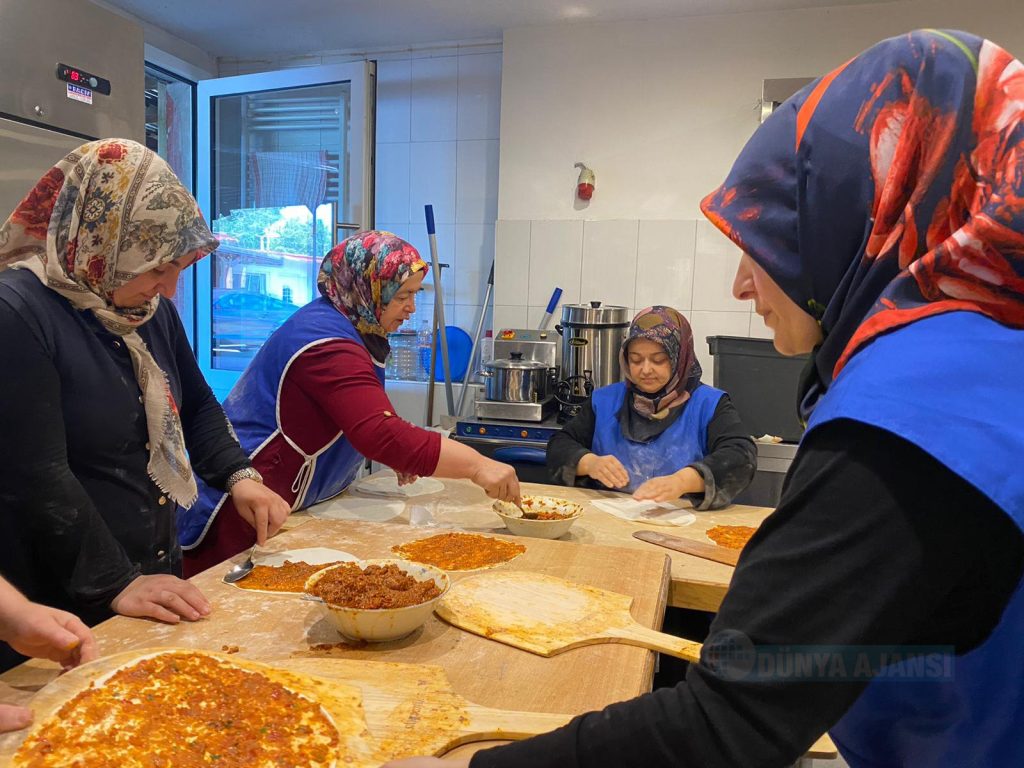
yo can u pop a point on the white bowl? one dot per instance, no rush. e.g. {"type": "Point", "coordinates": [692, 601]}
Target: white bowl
{"type": "Point", "coordinates": [539, 529]}
{"type": "Point", "coordinates": [379, 625]}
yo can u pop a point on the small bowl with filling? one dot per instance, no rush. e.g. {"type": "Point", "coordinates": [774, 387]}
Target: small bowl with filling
{"type": "Point", "coordinates": [546, 517]}
{"type": "Point", "coordinates": [377, 600]}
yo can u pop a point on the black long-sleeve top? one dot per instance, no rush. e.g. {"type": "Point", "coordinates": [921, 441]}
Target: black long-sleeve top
{"type": "Point", "coordinates": [874, 543]}
{"type": "Point", "coordinates": [727, 469]}
{"type": "Point", "coordinates": [79, 514]}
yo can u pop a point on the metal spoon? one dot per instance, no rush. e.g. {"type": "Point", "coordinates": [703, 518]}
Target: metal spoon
{"type": "Point", "coordinates": [241, 570]}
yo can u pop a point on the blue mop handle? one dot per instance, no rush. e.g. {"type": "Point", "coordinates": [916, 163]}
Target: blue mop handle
{"type": "Point", "coordinates": [551, 308]}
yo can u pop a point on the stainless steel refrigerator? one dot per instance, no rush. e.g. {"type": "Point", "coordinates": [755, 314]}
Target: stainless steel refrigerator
{"type": "Point", "coordinates": [57, 59]}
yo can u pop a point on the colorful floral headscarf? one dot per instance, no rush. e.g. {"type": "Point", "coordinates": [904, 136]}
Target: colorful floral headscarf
{"type": "Point", "coordinates": [890, 190]}
{"type": "Point", "coordinates": [667, 327]}
{"type": "Point", "coordinates": [361, 275]}
{"type": "Point", "coordinates": [108, 212]}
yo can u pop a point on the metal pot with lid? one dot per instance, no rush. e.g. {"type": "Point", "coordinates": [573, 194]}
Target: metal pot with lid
{"type": "Point", "coordinates": [591, 337]}
{"type": "Point", "coordinates": [514, 380]}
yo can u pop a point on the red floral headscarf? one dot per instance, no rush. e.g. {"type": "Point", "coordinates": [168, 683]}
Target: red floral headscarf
{"type": "Point", "coordinates": [361, 275]}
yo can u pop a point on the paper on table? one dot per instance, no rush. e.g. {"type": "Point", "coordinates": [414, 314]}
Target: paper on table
{"type": "Point", "coordinates": [652, 512]}
{"type": "Point", "coordinates": [387, 485]}
{"type": "Point", "coordinates": [356, 508]}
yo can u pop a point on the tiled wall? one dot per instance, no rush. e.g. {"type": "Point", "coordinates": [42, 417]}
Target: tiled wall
{"type": "Point", "coordinates": [686, 264]}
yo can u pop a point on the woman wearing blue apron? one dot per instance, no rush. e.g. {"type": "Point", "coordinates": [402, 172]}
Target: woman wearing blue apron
{"type": "Point", "coordinates": [881, 213]}
{"type": "Point", "coordinates": [311, 406]}
{"type": "Point", "coordinates": [660, 434]}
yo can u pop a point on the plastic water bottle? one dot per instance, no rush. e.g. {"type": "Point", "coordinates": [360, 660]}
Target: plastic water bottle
{"type": "Point", "coordinates": [424, 340]}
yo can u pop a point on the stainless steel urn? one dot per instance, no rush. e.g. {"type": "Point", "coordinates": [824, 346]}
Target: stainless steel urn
{"type": "Point", "coordinates": [591, 337]}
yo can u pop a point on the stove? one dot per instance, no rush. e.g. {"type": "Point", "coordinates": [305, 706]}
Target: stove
{"type": "Point", "coordinates": [505, 411]}
{"type": "Point", "coordinates": [481, 432]}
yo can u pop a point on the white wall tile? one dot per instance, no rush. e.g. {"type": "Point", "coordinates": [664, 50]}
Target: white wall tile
{"type": "Point", "coordinates": [477, 182]}
{"type": "Point", "coordinates": [474, 254]}
{"type": "Point", "coordinates": [706, 324]}
{"type": "Point", "coordinates": [433, 85]}
{"type": "Point", "coordinates": [511, 262]}
{"type": "Point", "coordinates": [664, 273]}
{"type": "Point", "coordinates": [556, 260]}
{"type": "Point", "coordinates": [396, 228]}
{"type": "Point", "coordinates": [432, 180]}
{"type": "Point", "coordinates": [479, 96]}
{"type": "Point", "coordinates": [393, 101]}
{"type": "Point", "coordinates": [467, 315]}
{"type": "Point", "coordinates": [391, 193]}
{"type": "Point", "coordinates": [758, 329]}
{"type": "Point", "coordinates": [445, 254]}
{"type": "Point", "coordinates": [609, 262]}
{"type": "Point", "coordinates": [509, 317]}
{"type": "Point", "coordinates": [715, 264]}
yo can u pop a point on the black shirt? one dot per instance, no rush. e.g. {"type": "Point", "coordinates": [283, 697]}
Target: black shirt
{"type": "Point", "coordinates": [873, 543]}
{"type": "Point", "coordinates": [81, 517]}
{"type": "Point", "coordinates": [727, 469]}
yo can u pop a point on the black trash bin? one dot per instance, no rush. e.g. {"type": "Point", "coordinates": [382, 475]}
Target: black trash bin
{"type": "Point", "coordinates": [761, 382]}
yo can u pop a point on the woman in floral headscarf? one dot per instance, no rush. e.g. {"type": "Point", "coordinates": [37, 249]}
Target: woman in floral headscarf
{"type": "Point", "coordinates": [881, 211]}
{"type": "Point", "coordinates": [311, 405]}
{"type": "Point", "coordinates": [660, 434]}
{"type": "Point", "coordinates": [102, 405]}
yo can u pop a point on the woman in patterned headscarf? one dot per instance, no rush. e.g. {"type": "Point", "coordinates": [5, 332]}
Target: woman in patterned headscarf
{"type": "Point", "coordinates": [311, 405]}
{"type": "Point", "coordinates": [660, 434]}
{"type": "Point", "coordinates": [101, 402]}
{"type": "Point", "coordinates": [881, 211]}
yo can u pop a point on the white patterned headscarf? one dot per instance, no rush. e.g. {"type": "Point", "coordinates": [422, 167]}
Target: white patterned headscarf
{"type": "Point", "coordinates": [108, 212]}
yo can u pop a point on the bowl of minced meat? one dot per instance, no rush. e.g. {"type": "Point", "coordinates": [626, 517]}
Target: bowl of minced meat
{"type": "Point", "coordinates": [377, 600]}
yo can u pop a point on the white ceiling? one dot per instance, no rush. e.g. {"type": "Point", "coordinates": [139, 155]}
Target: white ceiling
{"type": "Point", "coordinates": [259, 29]}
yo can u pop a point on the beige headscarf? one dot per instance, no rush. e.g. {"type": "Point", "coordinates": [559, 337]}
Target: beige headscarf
{"type": "Point", "coordinates": [108, 212]}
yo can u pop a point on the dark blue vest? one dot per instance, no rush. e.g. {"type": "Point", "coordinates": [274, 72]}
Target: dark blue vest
{"type": "Point", "coordinates": [954, 386]}
{"type": "Point", "coordinates": [253, 408]}
{"type": "Point", "coordinates": [683, 443]}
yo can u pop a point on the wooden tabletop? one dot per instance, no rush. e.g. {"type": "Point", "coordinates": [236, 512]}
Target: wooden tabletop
{"type": "Point", "coordinates": [696, 583]}
{"type": "Point", "coordinates": [267, 626]}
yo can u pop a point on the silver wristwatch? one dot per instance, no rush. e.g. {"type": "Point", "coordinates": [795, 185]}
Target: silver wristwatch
{"type": "Point", "coordinates": [246, 473]}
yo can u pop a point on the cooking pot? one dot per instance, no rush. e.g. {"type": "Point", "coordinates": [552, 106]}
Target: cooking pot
{"type": "Point", "coordinates": [514, 380]}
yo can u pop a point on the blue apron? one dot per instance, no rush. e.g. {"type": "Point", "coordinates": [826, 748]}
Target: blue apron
{"type": "Point", "coordinates": [683, 443]}
{"type": "Point", "coordinates": [253, 408]}
{"type": "Point", "coordinates": [952, 385]}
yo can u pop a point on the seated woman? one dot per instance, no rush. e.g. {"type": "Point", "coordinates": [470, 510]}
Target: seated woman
{"type": "Point", "coordinates": [311, 405]}
{"type": "Point", "coordinates": [659, 434]}
{"type": "Point", "coordinates": [104, 415]}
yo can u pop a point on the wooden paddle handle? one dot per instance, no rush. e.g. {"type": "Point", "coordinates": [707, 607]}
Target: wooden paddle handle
{"type": "Point", "coordinates": [636, 634]}
{"type": "Point", "coordinates": [485, 723]}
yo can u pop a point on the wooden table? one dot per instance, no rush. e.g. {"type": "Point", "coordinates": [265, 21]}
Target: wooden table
{"type": "Point", "coordinates": [696, 583]}
{"type": "Point", "coordinates": [267, 627]}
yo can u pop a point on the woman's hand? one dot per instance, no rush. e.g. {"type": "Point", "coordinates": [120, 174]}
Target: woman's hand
{"type": "Point", "coordinates": [404, 479]}
{"type": "Point", "coordinates": [260, 507]}
{"type": "Point", "coordinates": [498, 480]}
{"type": "Point", "coordinates": [604, 469]}
{"type": "Point", "coordinates": [47, 633]}
{"type": "Point", "coordinates": [670, 487]}
{"type": "Point", "coordinates": [163, 597]}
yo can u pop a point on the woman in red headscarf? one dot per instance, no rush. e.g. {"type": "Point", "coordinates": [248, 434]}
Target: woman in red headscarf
{"type": "Point", "coordinates": [311, 405]}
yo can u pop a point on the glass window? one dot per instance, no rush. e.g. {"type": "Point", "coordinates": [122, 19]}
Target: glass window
{"type": "Point", "coordinates": [279, 175]}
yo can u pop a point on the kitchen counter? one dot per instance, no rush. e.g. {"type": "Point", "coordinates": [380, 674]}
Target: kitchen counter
{"type": "Point", "coordinates": [695, 583]}
{"type": "Point", "coordinates": [269, 626]}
